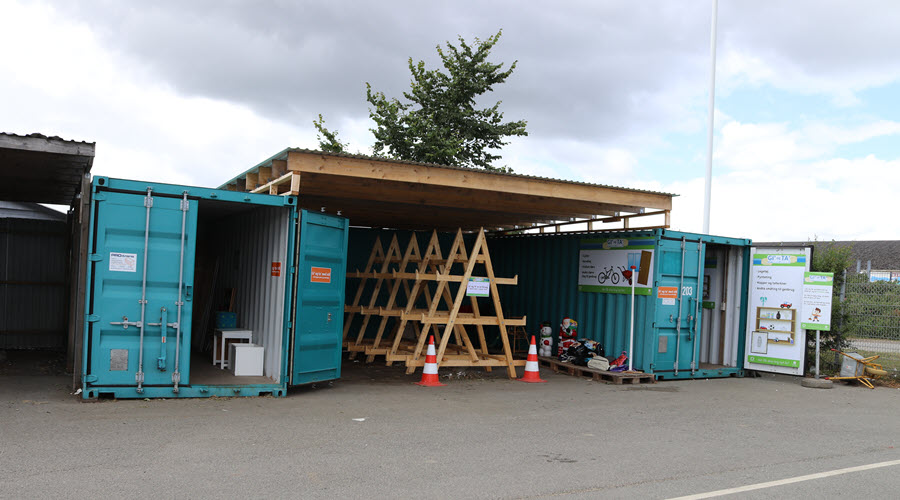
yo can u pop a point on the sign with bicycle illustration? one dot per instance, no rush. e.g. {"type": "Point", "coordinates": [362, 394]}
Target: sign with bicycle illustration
{"type": "Point", "coordinates": [605, 265]}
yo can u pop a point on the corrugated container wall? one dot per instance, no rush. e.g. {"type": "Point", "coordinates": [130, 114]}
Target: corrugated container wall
{"type": "Point", "coordinates": [33, 284]}
{"type": "Point", "coordinates": [262, 240]}
{"type": "Point", "coordinates": [360, 247]}
{"type": "Point", "coordinates": [548, 291]}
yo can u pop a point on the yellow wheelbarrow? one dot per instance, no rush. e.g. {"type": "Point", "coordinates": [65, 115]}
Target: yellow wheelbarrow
{"type": "Point", "coordinates": [859, 368]}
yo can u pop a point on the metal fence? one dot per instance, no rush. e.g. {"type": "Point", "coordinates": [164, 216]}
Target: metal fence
{"type": "Point", "coordinates": [869, 321]}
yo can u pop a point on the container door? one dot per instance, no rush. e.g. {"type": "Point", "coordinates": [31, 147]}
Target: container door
{"type": "Point", "coordinates": [129, 228]}
{"type": "Point", "coordinates": [318, 324]}
{"type": "Point", "coordinates": [678, 312]}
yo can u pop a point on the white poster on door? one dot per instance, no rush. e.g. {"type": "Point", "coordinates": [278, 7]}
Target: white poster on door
{"type": "Point", "coordinates": [612, 265]}
{"type": "Point", "coordinates": [776, 341]}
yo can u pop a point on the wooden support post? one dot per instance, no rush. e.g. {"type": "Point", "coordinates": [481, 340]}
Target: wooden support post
{"type": "Point", "coordinates": [252, 181]}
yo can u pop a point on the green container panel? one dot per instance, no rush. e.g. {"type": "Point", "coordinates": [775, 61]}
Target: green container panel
{"type": "Point", "coordinates": [548, 268]}
{"type": "Point", "coordinates": [314, 273]}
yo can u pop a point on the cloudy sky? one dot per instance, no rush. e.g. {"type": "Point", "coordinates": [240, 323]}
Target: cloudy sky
{"type": "Point", "coordinates": [807, 133]}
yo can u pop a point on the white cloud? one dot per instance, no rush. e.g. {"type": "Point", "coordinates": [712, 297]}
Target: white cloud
{"type": "Point", "coordinates": [67, 84]}
{"type": "Point", "coordinates": [772, 182]}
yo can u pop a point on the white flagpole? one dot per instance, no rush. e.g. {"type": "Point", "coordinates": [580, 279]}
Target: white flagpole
{"type": "Point", "coordinates": [712, 107]}
{"type": "Point", "coordinates": [631, 333]}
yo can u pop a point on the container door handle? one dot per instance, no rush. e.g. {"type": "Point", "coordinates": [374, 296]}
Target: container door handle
{"type": "Point", "coordinates": [163, 326]}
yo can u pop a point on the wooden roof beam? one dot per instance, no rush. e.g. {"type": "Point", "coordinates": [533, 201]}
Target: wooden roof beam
{"type": "Point", "coordinates": [481, 181]}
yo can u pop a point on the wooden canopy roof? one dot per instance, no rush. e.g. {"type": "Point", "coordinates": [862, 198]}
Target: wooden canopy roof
{"type": "Point", "coordinates": [42, 169]}
{"type": "Point", "coordinates": [376, 192]}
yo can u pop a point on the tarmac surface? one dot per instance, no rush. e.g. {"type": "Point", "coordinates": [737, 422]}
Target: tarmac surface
{"type": "Point", "coordinates": [374, 434]}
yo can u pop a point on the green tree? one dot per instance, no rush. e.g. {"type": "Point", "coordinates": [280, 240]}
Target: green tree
{"type": "Point", "coordinates": [328, 140]}
{"type": "Point", "coordinates": [440, 120]}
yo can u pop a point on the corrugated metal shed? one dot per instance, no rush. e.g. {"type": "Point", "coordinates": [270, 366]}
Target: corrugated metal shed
{"type": "Point", "coordinates": [23, 210]}
{"type": "Point", "coordinates": [33, 284]}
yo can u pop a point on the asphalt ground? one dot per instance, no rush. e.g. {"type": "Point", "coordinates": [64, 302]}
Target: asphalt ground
{"type": "Point", "coordinates": [374, 434]}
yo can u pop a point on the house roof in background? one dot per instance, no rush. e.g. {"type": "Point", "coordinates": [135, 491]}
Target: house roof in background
{"type": "Point", "coordinates": [26, 210]}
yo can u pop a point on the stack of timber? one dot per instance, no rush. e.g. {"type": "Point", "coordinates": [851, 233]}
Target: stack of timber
{"type": "Point", "coordinates": [436, 282]}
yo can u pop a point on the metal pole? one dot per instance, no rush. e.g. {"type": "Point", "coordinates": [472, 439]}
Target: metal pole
{"type": "Point", "coordinates": [631, 333]}
{"type": "Point", "coordinates": [712, 104]}
{"type": "Point", "coordinates": [680, 299]}
{"type": "Point", "coordinates": [817, 353]}
{"type": "Point", "coordinates": [139, 376]}
{"type": "Point", "coordinates": [176, 375]}
{"type": "Point", "coordinates": [697, 314]}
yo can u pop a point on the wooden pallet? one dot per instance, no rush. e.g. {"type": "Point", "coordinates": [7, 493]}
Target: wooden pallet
{"type": "Point", "coordinates": [595, 374]}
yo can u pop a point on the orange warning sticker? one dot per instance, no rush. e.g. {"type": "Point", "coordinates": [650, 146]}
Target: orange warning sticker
{"type": "Point", "coordinates": [320, 275]}
{"type": "Point", "coordinates": [667, 292]}
{"type": "Point", "coordinates": [276, 269]}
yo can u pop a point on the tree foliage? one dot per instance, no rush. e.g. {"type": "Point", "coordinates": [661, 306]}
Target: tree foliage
{"type": "Point", "coordinates": [328, 140]}
{"type": "Point", "coordinates": [440, 121]}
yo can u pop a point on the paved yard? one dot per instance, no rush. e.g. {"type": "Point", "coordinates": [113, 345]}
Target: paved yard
{"type": "Point", "coordinates": [376, 435]}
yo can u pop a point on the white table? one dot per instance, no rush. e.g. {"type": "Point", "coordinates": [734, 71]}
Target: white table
{"type": "Point", "coordinates": [229, 334]}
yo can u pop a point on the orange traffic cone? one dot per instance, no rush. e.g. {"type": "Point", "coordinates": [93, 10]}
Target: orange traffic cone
{"type": "Point", "coordinates": [531, 365]}
{"type": "Point", "coordinates": [430, 374]}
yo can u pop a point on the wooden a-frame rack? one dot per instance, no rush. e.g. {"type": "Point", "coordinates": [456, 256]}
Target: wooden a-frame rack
{"type": "Point", "coordinates": [430, 278]}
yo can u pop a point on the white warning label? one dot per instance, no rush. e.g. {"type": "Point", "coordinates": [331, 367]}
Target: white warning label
{"type": "Point", "coordinates": [123, 262]}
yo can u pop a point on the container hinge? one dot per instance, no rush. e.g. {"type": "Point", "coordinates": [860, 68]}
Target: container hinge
{"type": "Point", "coordinates": [90, 379]}
{"type": "Point", "coordinates": [292, 270]}
{"type": "Point", "coordinates": [99, 196]}
{"type": "Point", "coordinates": [290, 324]}
{"type": "Point", "coordinates": [93, 318]}
{"type": "Point", "coordinates": [95, 257]}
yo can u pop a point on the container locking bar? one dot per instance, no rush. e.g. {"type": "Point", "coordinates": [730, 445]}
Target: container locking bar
{"type": "Point", "coordinates": [698, 297]}
{"type": "Point", "coordinates": [164, 325]}
{"type": "Point", "coordinates": [176, 375]}
{"type": "Point", "coordinates": [680, 299]}
{"type": "Point", "coordinates": [139, 376]}
{"type": "Point", "coordinates": [125, 323]}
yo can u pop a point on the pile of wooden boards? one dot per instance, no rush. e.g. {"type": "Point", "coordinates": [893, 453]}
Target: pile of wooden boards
{"type": "Point", "coordinates": [439, 284]}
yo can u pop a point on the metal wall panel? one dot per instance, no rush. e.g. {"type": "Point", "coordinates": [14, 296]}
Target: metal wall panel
{"type": "Point", "coordinates": [547, 267]}
{"type": "Point", "coordinates": [33, 284]}
{"type": "Point", "coordinates": [249, 243]}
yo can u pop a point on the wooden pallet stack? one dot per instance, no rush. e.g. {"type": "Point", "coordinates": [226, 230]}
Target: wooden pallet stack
{"type": "Point", "coordinates": [443, 285]}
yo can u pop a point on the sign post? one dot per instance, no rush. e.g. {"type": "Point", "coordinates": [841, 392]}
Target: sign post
{"type": "Point", "coordinates": [815, 312]}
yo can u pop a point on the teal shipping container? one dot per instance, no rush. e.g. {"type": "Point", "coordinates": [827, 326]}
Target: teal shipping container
{"type": "Point", "coordinates": [165, 259]}
{"type": "Point", "coordinates": [690, 294]}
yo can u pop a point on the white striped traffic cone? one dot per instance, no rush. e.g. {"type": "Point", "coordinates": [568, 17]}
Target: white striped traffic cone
{"type": "Point", "coordinates": [430, 374]}
{"type": "Point", "coordinates": [531, 365]}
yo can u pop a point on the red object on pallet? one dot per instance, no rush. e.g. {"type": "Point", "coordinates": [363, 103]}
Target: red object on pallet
{"type": "Point", "coordinates": [531, 365]}
{"type": "Point", "coordinates": [430, 372]}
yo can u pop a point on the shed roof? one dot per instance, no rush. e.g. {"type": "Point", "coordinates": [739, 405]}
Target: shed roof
{"type": "Point", "coordinates": [380, 192]}
{"type": "Point", "coordinates": [42, 169]}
